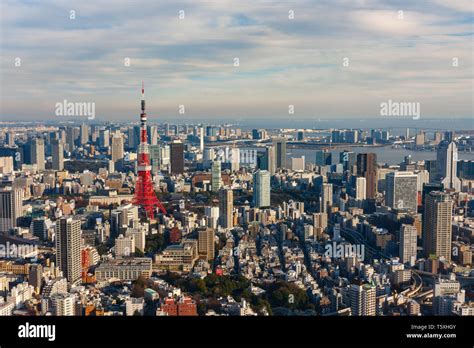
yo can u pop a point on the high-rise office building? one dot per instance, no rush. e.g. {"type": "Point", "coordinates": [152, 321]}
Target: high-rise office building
{"type": "Point", "coordinates": [212, 216]}
{"type": "Point", "coordinates": [226, 207]}
{"type": "Point", "coordinates": [407, 249]}
{"type": "Point", "coordinates": [234, 159]}
{"type": "Point", "coordinates": [134, 137]}
{"type": "Point", "coordinates": [177, 157]}
{"type": "Point", "coordinates": [39, 227]}
{"type": "Point", "coordinates": [57, 155]}
{"type": "Point", "coordinates": [84, 134]}
{"type": "Point", "coordinates": [437, 225]}
{"type": "Point", "coordinates": [124, 245]}
{"type": "Point", "coordinates": [261, 189]}
{"type": "Point", "coordinates": [367, 167]}
{"type": "Point", "coordinates": [279, 145]}
{"type": "Point", "coordinates": [37, 153]}
{"type": "Point", "coordinates": [427, 188]}
{"type": "Point", "coordinates": [266, 160]}
{"type": "Point", "coordinates": [348, 159]}
{"type": "Point", "coordinates": [420, 139]}
{"type": "Point", "coordinates": [447, 159]}
{"type": "Point", "coordinates": [360, 188]}
{"type": "Point", "coordinates": [10, 138]}
{"type": "Point", "coordinates": [402, 190]}
{"type": "Point", "coordinates": [216, 181]}
{"type": "Point", "coordinates": [201, 139]}
{"type": "Point", "coordinates": [104, 138]}
{"type": "Point", "coordinates": [68, 248]}
{"type": "Point", "coordinates": [320, 223]}
{"type": "Point", "coordinates": [155, 157]}
{"type": "Point", "coordinates": [206, 243]}
{"type": "Point", "coordinates": [466, 169]}
{"type": "Point", "coordinates": [117, 149]}
{"type": "Point", "coordinates": [326, 197]}
{"type": "Point", "coordinates": [323, 158]}
{"type": "Point", "coordinates": [11, 208]}
{"type": "Point", "coordinates": [363, 300]}
{"type": "Point", "coordinates": [35, 277]}
{"type": "Point", "coordinates": [94, 134]}
{"type": "Point", "coordinates": [70, 139]}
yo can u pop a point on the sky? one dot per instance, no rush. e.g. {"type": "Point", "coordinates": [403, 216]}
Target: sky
{"type": "Point", "coordinates": [326, 58]}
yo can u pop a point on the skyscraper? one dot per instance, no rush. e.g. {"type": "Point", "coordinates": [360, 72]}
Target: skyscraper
{"type": "Point", "coordinates": [134, 137]}
{"type": "Point", "coordinates": [11, 202]}
{"type": "Point", "coordinates": [226, 207]}
{"type": "Point", "coordinates": [437, 225]}
{"type": "Point", "coordinates": [348, 159]}
{"type": "Point", "coordinates": [326, 197]}
{"type": "Point", "coordinates": [216, 181]}
{"type": "Point", "coordinates": [201, 139]}
{"type": "Point", "coordinates": [234, 159]}
{"type": "Point", "coordinates": [407, 249]}
{"type": "Point", "coordinates": [70, 139]}
{"type": "Point", "coordinates": [267, 160]}
{"type": "Point", "coordinates": [68, 248]}
{"type": "Point", "coordinates": [402, 190]}
{"type": "Point", "coordinates": [10, 138]}
{"type": "Point", "coordinates": [177, 157]}
{"type": "Point", "coordinates": [37, 153]}
{"type": "Point", "coordinates": [279, 145]}
{"type": "Point", "coordinates": [57, 155]}
{"type": "Point", "coordinates": [84, 134]}
{"type": "Point", "coordinates": [155, 157]}
{"type": "Point", "coordinates": [427, 188]}
{"type": "Point", "coordinates": [206, 243]}
{"type": "Point", "coordinates": [261, 189]}
{"type": "Point", "coordinates": [363, 299]}
{"type": "Point", "coordinates": [35, 276]}
{"type": "Point", "coordinates": [447, 159]}
{"type": "Point", "coordinates": [39, 228]}
{"type": "Point", "coordinates": [124, 246]}
{"type": "Point", "coordinates": [323, 158]}
{"type": "Point", "coordinates": [117, 149]}
{"type": "Point", "coordinates": [360, 188]}
{"type": "Point", "coordinates": [104, 138]}
{"type": "Point", "coordinates": [320, 223]}
{"type": "Point", "coordinates": [367, 167]}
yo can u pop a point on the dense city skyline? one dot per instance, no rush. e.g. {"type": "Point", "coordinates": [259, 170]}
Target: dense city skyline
{"type": "Point", "coordinates": [210, 160]}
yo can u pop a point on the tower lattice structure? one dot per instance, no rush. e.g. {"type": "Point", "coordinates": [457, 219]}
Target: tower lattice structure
{"type": "Point", "coordinates": [145, 195]}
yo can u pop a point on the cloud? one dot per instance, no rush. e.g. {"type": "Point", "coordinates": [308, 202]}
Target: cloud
{"type": "Point", "coordinates": [190, 61]}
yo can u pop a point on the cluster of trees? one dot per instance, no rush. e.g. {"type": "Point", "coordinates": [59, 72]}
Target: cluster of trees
{"type": "Point", "coordinates": [211, 286]}
{"type": "Point", "coordinates": [278, 294]}
{"type": "Point", "coordinates": [154, 243]}
{"type": "Point", "coordinates": [288, 295]}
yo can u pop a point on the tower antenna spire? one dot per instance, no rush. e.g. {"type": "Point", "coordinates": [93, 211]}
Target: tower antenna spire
{"type": "Point", "coordinates": [145, 195]}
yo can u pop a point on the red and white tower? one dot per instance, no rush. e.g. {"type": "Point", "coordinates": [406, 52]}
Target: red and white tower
{"type": "Point", "coordinates": [145, 196]}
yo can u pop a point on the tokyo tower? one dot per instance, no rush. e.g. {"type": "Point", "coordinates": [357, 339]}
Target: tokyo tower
{"type": "Point", "coordinates": [145, 196]}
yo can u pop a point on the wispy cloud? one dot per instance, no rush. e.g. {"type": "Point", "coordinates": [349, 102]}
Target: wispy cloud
{"type": "Point", "coordinates": [403, 55]}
